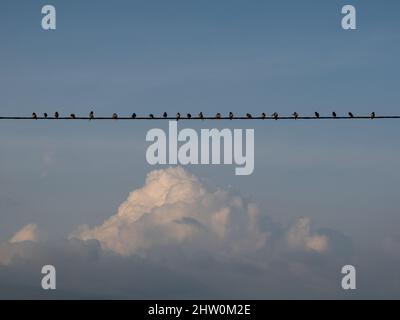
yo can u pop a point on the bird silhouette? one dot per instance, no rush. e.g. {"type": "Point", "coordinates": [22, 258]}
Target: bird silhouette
{"type": "Point", "coordinates": [115, 116]}
{"type": "Point", "coordinates": [189, 116]}
{"type": "Point", "coordinates": [372, 115]}
{"type": "Point", "coordinates": [133, 116]}
{"type": "Point", "coordinates": [218, 116]}
{"type": "Point", "coordinates": [351, 115]}
{"type": "Point", "coordinates": [45, 115]}
{"type": "Point", "coordinates": [178, 116]}
{"type": "Point", "coordinates": [91, 115]}
{"type": "Point", "coordinates": [334, 114]}
{"type": "Point", "coordinates": [151, 116]}
{"type": "Point", "coordinates": [316, 115]}
{"type": "Point", "coordinates": [275, 115]}
{"type": "Point", "coordinates": [295, 115]}
{"type": "Point", "coordinates": [56, 115]}
{"type": "Point", "coordinates": [230, 115]}
{"type": "Point", "coordinates": [165, 115]}
{"type": "Point", "coordinates": [249, 116]}
{"type": "Point", "coordinates": [72, 116]}
{"type": "Point", "coordinates": [201, 116]}
{"type": "Point", "coordinates": [263, 115]}
{"type": "Point", "coordinates": [34, 116]}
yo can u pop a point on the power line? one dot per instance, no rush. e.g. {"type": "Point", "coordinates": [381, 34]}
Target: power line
{"type": "Point", "coordinates": [188, 117]}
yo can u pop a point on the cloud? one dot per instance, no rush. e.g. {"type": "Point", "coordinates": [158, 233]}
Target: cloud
{"type": "Point", "coordinates": [10, 249]}
{"type": "Point", "coordinates": [174, 207]}
{"type": "Point", "coordinates": [27, 233]}
{"type": "Point", "coordinates": [48, 161]}
{"type": "Point", "coordinates": [299, 237]}
{"type": "Point", "coordinates": [178, 237]}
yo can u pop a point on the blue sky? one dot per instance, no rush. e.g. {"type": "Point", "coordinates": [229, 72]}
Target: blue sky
{"type": "Point", "coordinates": [191, 56]}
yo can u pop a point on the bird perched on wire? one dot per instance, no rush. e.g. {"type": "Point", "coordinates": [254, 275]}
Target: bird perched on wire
{"type": "Point", "coordinates": [218, 116]}
{"type": "Point", "coordinates": [230, 115]}
{"type": "Point", "coordinates": [56, 115]}
{"type": "Point", "coordinates": [91, 115]}
{"type": "Point", "coordinates": [295, 115]}
{"type": "Point", "coordinates": [133, 116]}
{"type": "Point", "coordinates": [351, 115]}
{"type": "Point", "coordinates": [178, 116]}
{"type": "Point", "coordinates": [263, 115]}
{"type": "Point", "coordinates": [45, 115]}
{"type": "Point", "coordinates": [72, 116]}
{"type": "Point", "coordinates": [34, 116]}
{"type": "Point", "coordinates": [151, 116]}
{"type": "Point", "coordinates": [249, 116]}
{"type": "Point", "coordinates": [334, 114]}
{"type": "Point", "coordinates": [275, 115]}
{"type": "Point", "coordinates": [316, 115]}
{"type": "Point", "coordinates": [189, 116]}
{"type": "Point", "coordinates": [165, 115]}
{"type": "Point", "coordinates": [115, 116]}
{"type": "Point", "coordinates": [372, 115]}
{"type": "Point", "coordinates": [201, 116]}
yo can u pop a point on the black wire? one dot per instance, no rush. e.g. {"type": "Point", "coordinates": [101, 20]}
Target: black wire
{"type": "Point", "coordinates": [205, 118]}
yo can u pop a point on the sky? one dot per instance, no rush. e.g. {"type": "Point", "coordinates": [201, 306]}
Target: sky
{"type": "Point", "coordinates": [81, 195]}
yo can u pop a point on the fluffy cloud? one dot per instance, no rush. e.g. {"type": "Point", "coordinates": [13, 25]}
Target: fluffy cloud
{"type": "Point", "coordinates": [299, 237]}
{"type": "Point", "coordinates": [177, 237]}
{"type": "Point", "coordinates": [10, 249]}
{"type": "Point", "coordinates": [174, 207]}
{"type": "Point", "coordinates": [27, 233]}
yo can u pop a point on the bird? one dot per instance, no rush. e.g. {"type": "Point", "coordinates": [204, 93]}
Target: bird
{"type": "Point", "coordinates": [201, 116]}
{"type": "Point", "coordinates": [56, 115]}
{"type": "Point", "coordinates": [334, 114]}
{"type": "Point", "coordinates": [178, 116]}
{"type": "Point", "coordinates": [91, 115]}
{"type": "Point", "coordinates": [165, 115]}
{"type": "Point", "coordinates": [372, 115]}
{"type": "Point", "coordinates": [72, 116]}
{"type": "Point", "coordinates": [45, 115]}
{"type": "Point", "coordinates": [189, 116]}
{"type": "Point", "coordinates": [115, 116]}
{"type": "Point", "coordinates": [133, 115]}
{"type": "Point", "coordinates": [263, 115]}
{"type": "Point", "coordinates": [316, 115]}
{"type": "Point", "coordinates": [275, 115]}
{"type": "Point", "coordinates": [151, 116]}
{"type": "Point", "coordinates": [34, 116]}
{"type": "Point", "coordinates": [218, 116]}
{"type": "Point", "coordinates": [230, 115]}
{"type": "Point", "coordinates": [249, 116]}
{"type": "Point", "coordinates": [351, 115]}
{"type": "Point", "coordinates": [295, 115]}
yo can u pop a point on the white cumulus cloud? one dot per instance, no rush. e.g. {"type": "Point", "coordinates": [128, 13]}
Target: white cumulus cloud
{"type": "Point", "coordinates": [11, 248]}
{"type": "Point", "coordinates": [299, 236]}
{"type": "Point", "coordinates": [175, 207]}
{"type": "Point", "coordinates": [27, 233]}
{"type": "Point", "coordinates": [178, 227]}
